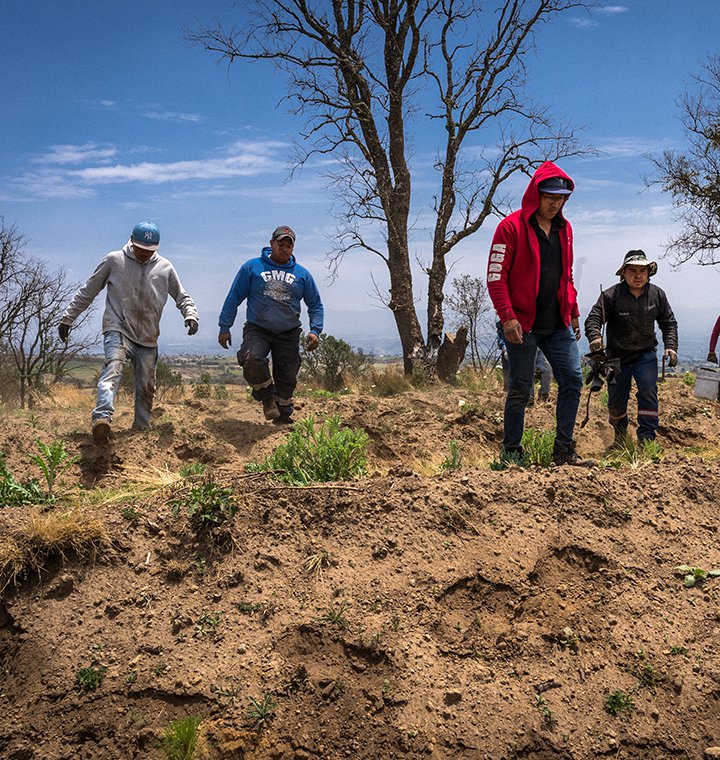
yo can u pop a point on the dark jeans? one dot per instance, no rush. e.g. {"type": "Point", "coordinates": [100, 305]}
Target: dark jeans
{"type": "Point", "coordinates": [645, 371]}
{"type": "Point", "coordinates": [284, 348]}
{"type": "Point", "coordinates": [560, 349]}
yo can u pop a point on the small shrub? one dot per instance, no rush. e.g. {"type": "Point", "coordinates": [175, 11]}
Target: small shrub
{"type": "Point", "coordinates": [88, 679]}
{"type": "Point", "coordinates": [335, 615]}
{"type": "Point", "coordinates": [453, 461]}
{"type": "Point", "coordinates": [260, 712]}
{"type": "Point", "coordinates": [14, 493]}
{"type": "Point", "coordinates": [203, 388]}
{"type": "Point", "coordinates": [180, 738]}
{"type": "Point", "coordinates": [618, 702]}
{"type": "Point", "coordinates": [389, 381]}
{"type": "Point", "coordinates": [319, 454]}
{"type": "Point", "coordinates": [207, 504]}
{"type": "Point", "coordinates": [331, 362]}
{"type": "Point", "coordinates": [689, 379]}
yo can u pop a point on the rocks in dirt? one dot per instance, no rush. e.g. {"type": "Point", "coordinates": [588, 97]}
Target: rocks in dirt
{"type": "Point", "coordinates": [712, 752]}
{"type": "Point", "coordinates": [452, 697]}
{"type": "Point", "coordinates": [62, 587]}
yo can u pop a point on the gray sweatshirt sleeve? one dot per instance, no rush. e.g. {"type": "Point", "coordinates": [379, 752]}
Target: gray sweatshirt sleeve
{"type": "Point", "coordinates": [87, 293]}
{"type": "Point", "coordinates": [181, 297]}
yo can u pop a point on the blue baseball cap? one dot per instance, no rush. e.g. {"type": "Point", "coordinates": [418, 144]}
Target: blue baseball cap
{"type": "Point", "coordinates": [146, 235]}
{"type": "Point", "coordinates": [555, 186]}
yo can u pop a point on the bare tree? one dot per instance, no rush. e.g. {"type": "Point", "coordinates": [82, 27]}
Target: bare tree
{"type": "Point", "coordinates": [470, 302]}
{"type": "Point", "coordinates": [32, 301]}
{"type": "Point", "coordinates": [692, 176]}
{"type": "Point", "coordinates": [360, 71]}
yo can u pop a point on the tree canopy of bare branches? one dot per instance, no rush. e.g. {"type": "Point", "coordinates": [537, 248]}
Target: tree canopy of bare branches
{"type": "Point", "coordinates": [31, 303]}
{"type": "Point", "coordinates": [692, 176]}
{"type": "Point", "coordinates": [361, 73]}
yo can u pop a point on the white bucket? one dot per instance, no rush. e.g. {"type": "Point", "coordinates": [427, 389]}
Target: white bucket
{"type": "Point", "coordinates": [707, 383]}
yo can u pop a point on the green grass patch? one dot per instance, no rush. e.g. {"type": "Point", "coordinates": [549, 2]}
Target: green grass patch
{"type": "Point", "coordinates": [317, 453]}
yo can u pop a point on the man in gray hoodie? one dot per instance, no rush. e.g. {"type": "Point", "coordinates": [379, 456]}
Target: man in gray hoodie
{"type": "Point", "coordinates": [138, 282]}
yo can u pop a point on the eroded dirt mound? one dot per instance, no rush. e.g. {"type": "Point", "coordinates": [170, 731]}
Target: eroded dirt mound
{"type": "Point", "coordinates": [416, 613]}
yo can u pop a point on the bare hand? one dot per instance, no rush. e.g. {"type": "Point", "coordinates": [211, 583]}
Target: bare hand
{"type": "Point", "coordinates": [225, 339]}
{"type": "Point", "coordinates": [312, 342]}
{"type": "Point", "coordinates": [513, 331]}
{"type": "Point", "coordinates": [575, 323]}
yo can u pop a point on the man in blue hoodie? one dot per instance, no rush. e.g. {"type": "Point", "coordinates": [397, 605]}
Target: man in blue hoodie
{"type": "Point", "coordinates": [273, 285]}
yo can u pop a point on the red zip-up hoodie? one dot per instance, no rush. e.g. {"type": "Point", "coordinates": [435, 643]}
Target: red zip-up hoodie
{"type": "Point", "coordinates": [513, 273]}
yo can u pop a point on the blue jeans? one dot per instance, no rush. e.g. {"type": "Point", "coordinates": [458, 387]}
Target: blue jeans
{"type": "Point", "coordinates": [561, 351]}
{"type": "Point", "coordinates": [284, 348]}
{"type": "Point", "coordinates": [118, 350]}
{"type": "Point", "coordinates": [645, 371]}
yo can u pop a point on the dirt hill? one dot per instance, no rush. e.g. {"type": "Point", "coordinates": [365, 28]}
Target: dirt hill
{"type": "Point", "coordinates": [419, 612]}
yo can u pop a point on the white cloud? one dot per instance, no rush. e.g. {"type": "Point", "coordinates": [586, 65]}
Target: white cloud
{"type": "Point", "coordinates": [610, 9]}
{"type": "Point", "coordinates": [76, 154]}
{"type": "Point", "coordinates": [172, 116]}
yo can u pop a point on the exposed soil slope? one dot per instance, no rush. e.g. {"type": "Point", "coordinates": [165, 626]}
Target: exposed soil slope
{"type": "Point", "coordinates": [415, 613]}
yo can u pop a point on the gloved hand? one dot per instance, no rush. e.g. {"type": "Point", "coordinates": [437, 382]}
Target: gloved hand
{"type": "Point", "coordinates": [312, 342]}
{"type": "Point", "coordinates": [225, 339]}
{"type": "Point", "coordinates": [596, 345]}
{"type": "Point", "coordinates": [671, 356]}
{"type": "Point", "coordinates": [712, 357]}
{"type": "Point", "coordinates": [63, 332]}
{"type": "Point", "coordinates": [192, 326]}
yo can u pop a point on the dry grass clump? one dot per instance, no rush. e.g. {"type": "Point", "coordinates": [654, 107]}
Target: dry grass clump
{"type": "Point", "coordinates": [26, 549]}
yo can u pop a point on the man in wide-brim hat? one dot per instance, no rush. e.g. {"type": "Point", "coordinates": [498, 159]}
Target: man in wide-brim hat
{"type": "Point", "coordinates": [630, 309]}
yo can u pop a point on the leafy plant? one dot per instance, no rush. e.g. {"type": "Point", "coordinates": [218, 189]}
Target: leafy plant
{"type": "Point", "coordinates": [193, 470]}
{"type": "Point", "coordinates": [53, 460]}
{"type": "Point", "coordinates": [207, 505]}
{"type": "Point", "coordinates": [689, 378]}
{"type": "Point", "coordinates": [617, 702]}
{"type": "Point", "coordinates": [16, 494]}
{"type": "Point", "coordinates": [313, 454]}
{"type": "Point", "coordinates": [207, 625]}
{"type": "Point", "coordinates": [131, 514]}
{"type": "Point", "coordinates": [249, 608]}
{"type": "Point", "coordinates": [335, 615]}
{"type": "Point", "coordinates": [453, 461]}
{"type": "Point", "coordinates": [88, 679]}
{"type": "Point", "coordinates": [180, 738]}
{"type": "Point", "coordinates": [260, 713]}
{"type": "Point", "coordinates": [331, 362]}
{"type": "Point", "coordinates": [694, 576]}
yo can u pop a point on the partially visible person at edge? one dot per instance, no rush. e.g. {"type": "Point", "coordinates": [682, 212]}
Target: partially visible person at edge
{"type": "Point", "coordinates": [138, 282]}
{"type": "Point", "coordinates": [631, 308]}
{"type": "Point", "coordinates": [541, 367]}
{"type": "Point", "coordinates": [273, 285]}
{"type": "Point", "coordinates": [530, 282]}
{"type": "Point", "coordinates": [712, 356]}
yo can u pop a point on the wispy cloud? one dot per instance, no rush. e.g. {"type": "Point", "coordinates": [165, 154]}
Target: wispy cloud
{"type": "Point", "coordinates": [76, 154]}
{"type": "Point", "coordinates": [147, 111]}
{"type": "Point", "coordinates": [610, 9]}
{"type": "Point", "coordinates": [172, 116]}
{"type": "Point", "coordinates": [63, 177]}
{"type": "Point", "coordinates": [587, 22]}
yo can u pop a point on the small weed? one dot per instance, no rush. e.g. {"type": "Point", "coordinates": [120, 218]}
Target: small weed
{"type": "Point", "coordinates": [695, 576]}
{"type": "Point", "coordinates": [628, 453]}
{"type": "Point", "coordinates": [207, 625]}
{"type": "Point", "coordinates": [260, 713]}
{"type": "Point", "coordinates": [649, 676]}
{"type": "Point", "coordinates": [14, 493]}
{"type": "Point", "coordinates": [545, 711]}
{"type": "Point", "coordinates": [207, 504]}
{"type": "Point", "coordinates": [453, 461]}
{"type": "Point", "coordinates": [689, 379]}
{"type": "Point", "coordinates": [678, 650]}
{"type": "Point", "coordinates": [618, 702]}
{"type": "Point", "coordinates": [321, 454]}
{"type": "Point", "coordinates": [88, 679]}
{"type": "Point", "coordinates": [193, 470]}
{"type": "Point", "coordinates": [180, 738]}
{"type": "Point", "coordinates": [249, 608]}
{"type": "Point", "coordinates": [131, 515]}
{"type": "Point", "coordinates": [335, 615]}
{"type": "Point", "coordinates": [316, 562]}
{"type": "Point", "coordinates": [388, 382]}
{"type": "Point", "coordinates": [160, 668]}
{"type": "Point", "coordinates": [131, 677]}
{"type": "Point", "coordinates": [537, 448]}
{"type": "Point", "coordinates": [53, 460]}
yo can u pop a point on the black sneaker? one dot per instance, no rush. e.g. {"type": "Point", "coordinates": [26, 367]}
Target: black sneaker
{"type": "Point", "coordinates": [270, 408]}
{"type": "Point", "coordinates": [283, 419]}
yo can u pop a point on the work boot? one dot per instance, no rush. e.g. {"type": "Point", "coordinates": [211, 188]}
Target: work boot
{"type": "Point", "coordinates": [566, 454]}
{"type": "Point", "coordinates": [270, 408]}
{"type": "Point", "coordinates": [101, 431]}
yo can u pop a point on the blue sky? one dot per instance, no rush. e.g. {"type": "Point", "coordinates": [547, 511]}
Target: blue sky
{"type": "Point", "coordinates": [112, 117]}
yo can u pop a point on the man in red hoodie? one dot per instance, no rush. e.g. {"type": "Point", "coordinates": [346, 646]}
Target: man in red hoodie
{"type": "Point", "coordinates": [530, 282]}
